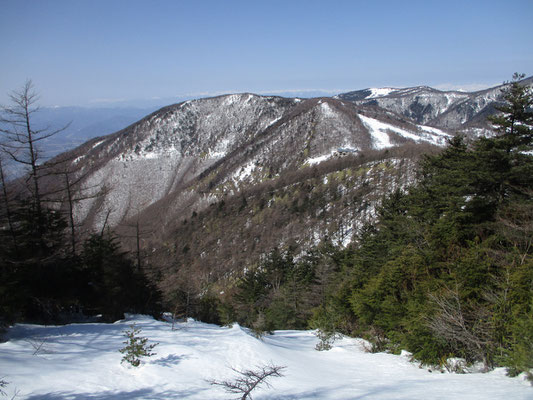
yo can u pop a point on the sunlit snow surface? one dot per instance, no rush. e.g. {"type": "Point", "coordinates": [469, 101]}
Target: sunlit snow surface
{"type": "Point", "coordinates": [82, 361]}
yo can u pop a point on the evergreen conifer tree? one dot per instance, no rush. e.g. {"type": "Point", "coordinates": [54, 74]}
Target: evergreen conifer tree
{"type": "Point", "coordinates": [447, 269]}
{"type": "Point", "coordinates": [136, 347]}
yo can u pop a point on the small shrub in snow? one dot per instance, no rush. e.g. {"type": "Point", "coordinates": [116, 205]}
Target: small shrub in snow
{"type": "Point", "coordinates": [326, 339]}
{"type": "Point", "coordinates": [455, 365]}
{"type": "Point", "coordinates": [377, 342]}
{"type": "Point", "coordinates": [3, 384]}
{"type": "Point", "coordinates": [259, 327]}
{"type": "Point", "coordinates": [258, 333]}
{"type": "Point", "coordinates": [136, 347]}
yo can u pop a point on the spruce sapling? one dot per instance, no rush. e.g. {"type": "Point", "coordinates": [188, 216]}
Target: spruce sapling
{"type": "Point", "coordinates": [136, 347]}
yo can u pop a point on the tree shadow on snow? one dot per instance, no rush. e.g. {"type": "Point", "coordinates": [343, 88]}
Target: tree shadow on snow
{"type": "Point", "coordinates": [380, 391]}
{"type": "Point", "coordinates": [147, 393]}
{"type": "Point", "coordinates": [319, 393]}
{"type": "Point", "coordinates": [170, 360]}
{"type": "Point", "coordinates": [19, 332]}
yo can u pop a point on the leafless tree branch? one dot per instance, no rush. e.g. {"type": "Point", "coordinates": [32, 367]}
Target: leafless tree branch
{"type": "Point", "coordinates": [462, 324]}
{"type": "Point", "coordinates": [248, 380]}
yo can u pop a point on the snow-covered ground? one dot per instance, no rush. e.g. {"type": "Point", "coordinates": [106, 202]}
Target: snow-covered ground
{"type": "Point", "coordinates": [82, 361]}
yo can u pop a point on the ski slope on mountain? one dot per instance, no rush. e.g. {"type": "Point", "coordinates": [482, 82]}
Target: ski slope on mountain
{"type": "Point", "coordinates": [82, 361]}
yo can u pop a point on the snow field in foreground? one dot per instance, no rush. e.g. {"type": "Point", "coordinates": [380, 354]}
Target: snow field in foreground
{"type": "Point", "coordinates": [82, 361]}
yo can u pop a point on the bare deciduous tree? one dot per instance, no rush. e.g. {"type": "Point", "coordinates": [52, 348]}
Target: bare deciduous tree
{"type": "Point", "coordinates": [463, 325]}
{"type": "Point", "coordinates": [515, 223]}
{"type": "Point", "coordinates": [248, 380]}
{"type": "Point", "coordinates": [21, 141]}
{"type": "Point", "coordinates": [74, 191]}
{"type": "Point", "coordinates": [7, 206]}
{"type": "Point", "coordinates": [138, 234]}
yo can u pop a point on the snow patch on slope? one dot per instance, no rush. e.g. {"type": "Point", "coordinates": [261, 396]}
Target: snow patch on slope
{"type": "Point", "coordinates": [381, 139]}
{"type": "Point", "coordinates": [319, 159]}
{"type": "Point", "coordinates": [327, 111]}
{"type": "Point", "coordinates": [97, 144]}
{"type": "Point", "coordinates": [435, 131]}
{"type": "Point", "coordinates": [378, 131]}
{"type": "Point", "coordinates": [244, 172]}
{"type": "Point", "coordinates": [220, 149]}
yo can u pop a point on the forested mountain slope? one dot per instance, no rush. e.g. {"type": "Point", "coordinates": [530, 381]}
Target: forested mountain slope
{"type": "Point", "coordinates": [195, 150]}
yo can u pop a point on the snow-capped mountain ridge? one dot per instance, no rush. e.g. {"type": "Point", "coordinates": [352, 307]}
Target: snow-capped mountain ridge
{"type": "Point", "coordinates": [182, 142]}
{"type": "Point", "coordinates": [455, 110]}
{"type": "Point", "coordinates": [179, 143]}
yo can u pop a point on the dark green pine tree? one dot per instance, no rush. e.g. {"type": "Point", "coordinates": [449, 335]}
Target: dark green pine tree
{"type": "Point", "coordinates": [34, 280]}
{"type": "Point", "coordinates": [115, 285]}
{"type": "Point", "coordinates": [514, 317]}
{"type": "Point", "coordinates": [515, 120]}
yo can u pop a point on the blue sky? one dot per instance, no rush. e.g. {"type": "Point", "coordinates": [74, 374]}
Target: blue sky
{"type": "Point", "coordinates": [96, 52]}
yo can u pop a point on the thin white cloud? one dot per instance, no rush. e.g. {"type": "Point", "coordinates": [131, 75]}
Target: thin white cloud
{"type": "Point", "coordinates": [106, 101]}
{"type": "Point", "coordinates": [274, 92]}
{"type": "Point", "coordinates": [467, 87]}
{"type": "Point", "coordinates": [331, 91]}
